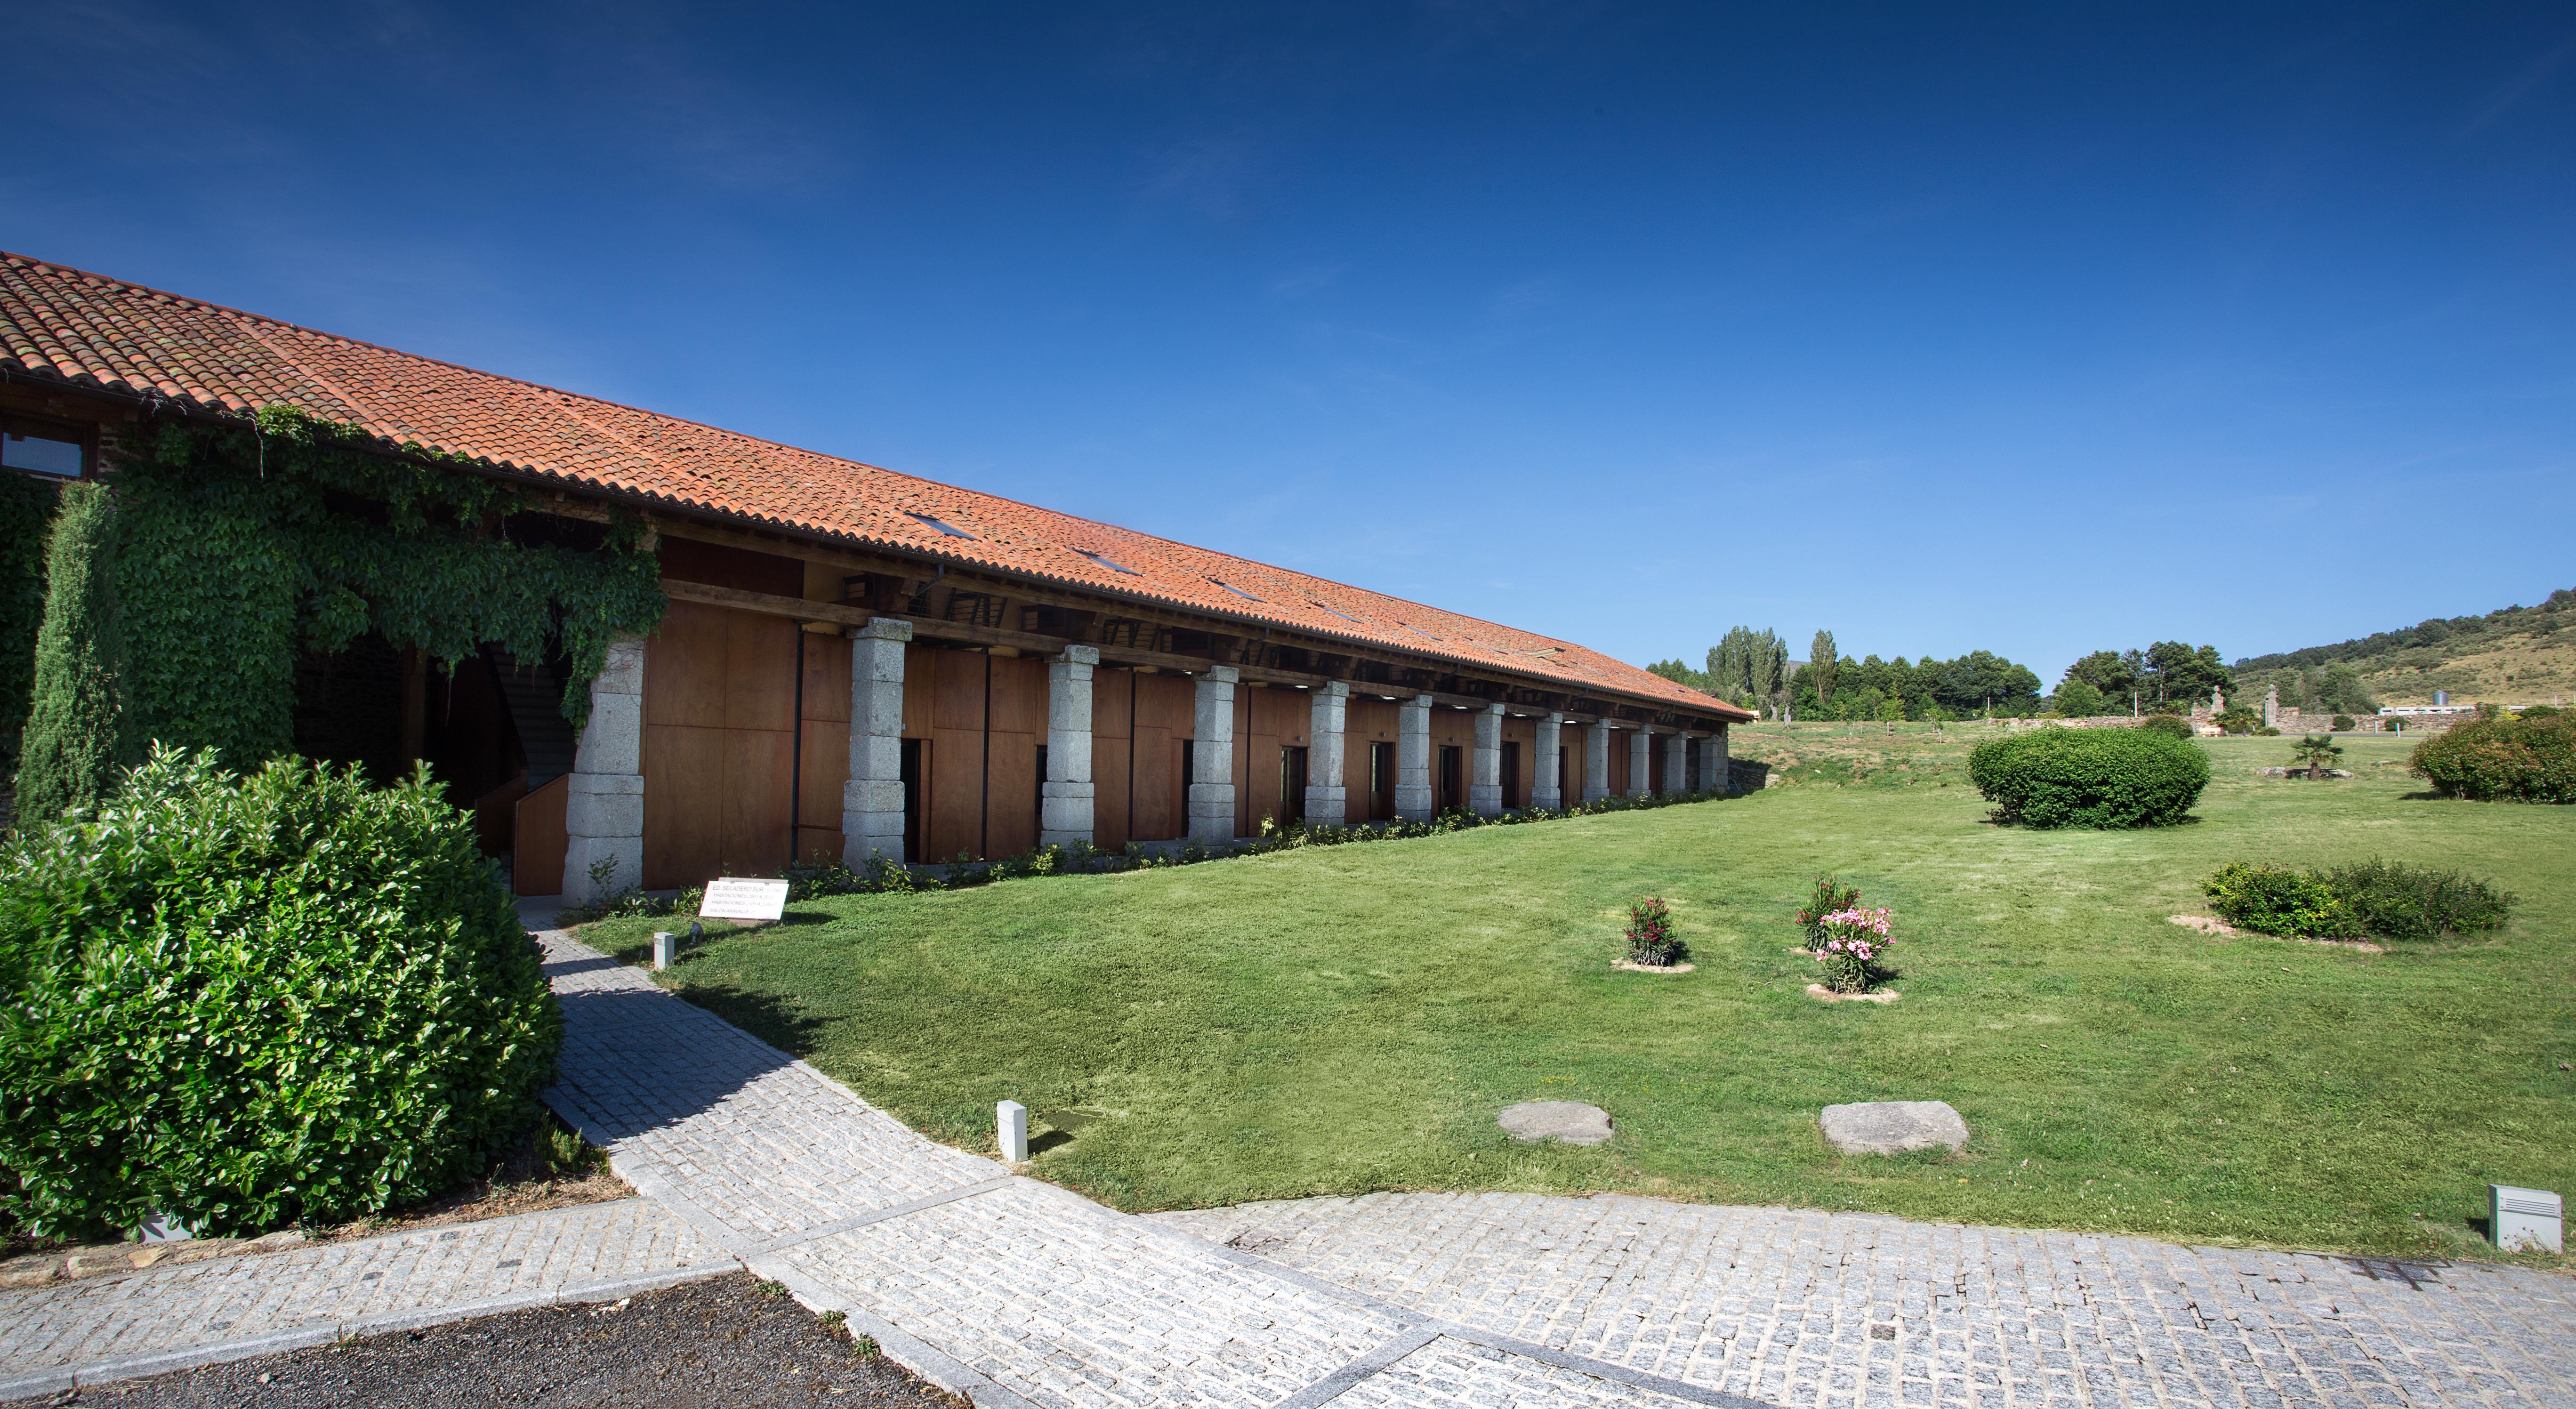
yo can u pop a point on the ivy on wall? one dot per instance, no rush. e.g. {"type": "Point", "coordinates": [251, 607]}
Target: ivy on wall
{"type": "Point", "coordinates": [26, 507]}
{"type": "Point", "coordinates": [241, 546]}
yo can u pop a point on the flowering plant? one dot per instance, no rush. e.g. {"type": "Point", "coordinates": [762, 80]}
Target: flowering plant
{"type": "Point", "coordinates": [1830, 895]}
{"type": "Point", "coordinates": [1651, 940]}
{"type": "Point", "coordinates": [1853, 938]}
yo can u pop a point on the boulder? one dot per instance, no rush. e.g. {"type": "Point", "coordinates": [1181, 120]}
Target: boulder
{"type": "Point", "coordinates": [1570, 1121]}
{"type": "Point", "coordinates": [1893, 1127]}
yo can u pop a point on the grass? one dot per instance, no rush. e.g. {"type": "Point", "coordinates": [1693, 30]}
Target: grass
{"type": "Point", "coordinates": [1347, 1019]}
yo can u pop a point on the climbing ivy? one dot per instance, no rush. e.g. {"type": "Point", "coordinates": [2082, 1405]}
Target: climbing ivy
{"type": "Point", "coordinates": [26, 507]}
{"type": "Point", "coordinates": [243, 545]}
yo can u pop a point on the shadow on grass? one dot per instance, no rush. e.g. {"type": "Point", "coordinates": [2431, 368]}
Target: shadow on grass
{"type": "Point", "coordinates": [762, 1015]}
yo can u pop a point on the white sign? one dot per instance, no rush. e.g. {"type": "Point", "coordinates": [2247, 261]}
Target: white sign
{"type": "Point", "coordinates": [739, 898]}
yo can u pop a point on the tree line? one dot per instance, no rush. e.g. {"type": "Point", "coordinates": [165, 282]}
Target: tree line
{"type": "Point", "coordinates": [1753, 668]}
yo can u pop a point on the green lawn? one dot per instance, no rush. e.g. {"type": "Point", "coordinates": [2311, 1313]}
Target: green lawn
{"type": "Point", "coordinates": [1351, 1018]}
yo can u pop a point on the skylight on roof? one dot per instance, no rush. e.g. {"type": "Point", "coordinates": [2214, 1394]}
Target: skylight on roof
{"type": "Point", "coordinates": [943, 525]}
{"type": "Point", "coordinates": [1418, 631]}
{"type": "Point", "coordinates": [1230, 587]}
{"type": "Point", "coordinates": [1108, 562]}
{"type": "Point", "coordinates": [1346, 616]}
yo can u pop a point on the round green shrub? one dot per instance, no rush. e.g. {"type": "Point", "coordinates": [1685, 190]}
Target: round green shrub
{"type": "Point", "coordinates": [2342, 723]}
{"type": "Point", "coordinates": [2277, 900]}
{"type": "Point", "coordinates": [2172, 726]}
{"type": "Point", "coordinates": [254, 1001]}
{"type": "Point", "coordinates": [2502, 760]}
{"type": "Point", "coordinates": [2089, 777]}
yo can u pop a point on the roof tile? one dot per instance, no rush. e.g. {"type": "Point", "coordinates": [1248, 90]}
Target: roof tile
{"type": "Point", "coordinates": [84, 328]}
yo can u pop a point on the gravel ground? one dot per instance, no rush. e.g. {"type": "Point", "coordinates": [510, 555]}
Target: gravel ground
{"type": "Point", "coordinates": [725, 1341]}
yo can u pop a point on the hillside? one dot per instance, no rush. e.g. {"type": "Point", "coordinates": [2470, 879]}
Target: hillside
{"type": "Point", "coordinates": [2520, 655]}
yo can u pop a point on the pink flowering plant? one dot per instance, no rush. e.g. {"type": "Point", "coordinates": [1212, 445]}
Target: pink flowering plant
{"type": "Point", "coordinates": [1853, 940]}
{"type": "Point", "coordinates": [1651, 940]}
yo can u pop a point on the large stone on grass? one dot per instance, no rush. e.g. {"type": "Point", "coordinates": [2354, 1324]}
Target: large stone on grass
{"type": "Point", "coordinates": [1893, 1127]}
{"type": "Point", "coordinates": [1570, 1121]}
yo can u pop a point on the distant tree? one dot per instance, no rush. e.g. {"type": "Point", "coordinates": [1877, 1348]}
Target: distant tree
{"type": "Point", "coordinates": [2077, 699]}
{"type": "Point", "coordinates": [1680, 674]}
{"type": "Point", "coordinates": [1821, 663]}
{"type": "Point", "coordinates": [2342, 692]}
{"type": "Point", "coordinates": [1748, 664]}
{"type": "Point", "coordinates": [1891, 710]}
{"type": "Point", "coordinates": [2112, 674]}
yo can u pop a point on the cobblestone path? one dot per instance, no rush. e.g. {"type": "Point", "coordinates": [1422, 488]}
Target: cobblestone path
{"type": "Point", "coordinates": [137, 1323]}
{"type": "Point", "coordinates": [1801, 1308]}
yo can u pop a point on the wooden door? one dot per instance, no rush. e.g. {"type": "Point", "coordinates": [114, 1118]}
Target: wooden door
{"type": "Point", "coordinates": [719, 745]}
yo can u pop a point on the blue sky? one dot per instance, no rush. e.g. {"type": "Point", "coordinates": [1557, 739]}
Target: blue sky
{"type": "Point", "coordinates": [2038, 331]}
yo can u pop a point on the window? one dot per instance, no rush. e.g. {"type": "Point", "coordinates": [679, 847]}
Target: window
{"type": "Point", "coordinates": [1236, 590]}
{"type": "Point", "coordinates": [44, 447]}
{"type": "Point", "coordinates": [1108, 562]}
{"type": "Point", "coordinates": [942, 525]}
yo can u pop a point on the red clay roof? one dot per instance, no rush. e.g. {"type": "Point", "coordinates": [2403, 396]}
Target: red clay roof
{"type": "Point", "coordinates": [88, 330]}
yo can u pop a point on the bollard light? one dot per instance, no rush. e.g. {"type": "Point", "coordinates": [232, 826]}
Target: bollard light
{"type": "Point", "coordinates": [666, 949]}
{"type": "Point", "coordinates": [1011, 1124]}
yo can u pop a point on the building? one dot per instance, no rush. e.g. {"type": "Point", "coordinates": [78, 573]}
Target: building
{"type": "Point", "coordinates": [858, 662]}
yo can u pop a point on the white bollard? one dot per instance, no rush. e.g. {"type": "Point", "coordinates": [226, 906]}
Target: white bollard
{"type": "Point", "coordinates": [666, 949]}
{"type": "Point", "coordinates": [1011, 1125]}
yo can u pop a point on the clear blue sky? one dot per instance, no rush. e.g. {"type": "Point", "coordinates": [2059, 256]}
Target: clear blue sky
{"type": "Point", "coordinates": [1941, 327]}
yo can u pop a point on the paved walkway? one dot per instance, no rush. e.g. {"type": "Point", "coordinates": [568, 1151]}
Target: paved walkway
{"type": "Point", "coordinates": [1016, 1293]}
{"type": "Point", "coordinates": [1803, 1308]}
{"type": "Point", "coordinates": [139, 1323]}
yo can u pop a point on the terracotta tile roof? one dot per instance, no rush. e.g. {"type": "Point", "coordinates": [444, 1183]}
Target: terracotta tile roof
{"type": "Point", "coordinates": [88, 330]}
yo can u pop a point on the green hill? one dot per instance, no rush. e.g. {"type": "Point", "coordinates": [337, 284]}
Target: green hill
{"type": "Point", "coordinates": [2520, 655]}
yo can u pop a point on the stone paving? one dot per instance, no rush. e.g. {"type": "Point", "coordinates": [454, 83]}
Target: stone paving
{"type": "Point", "coordinates": [111, 1327]}
{"type": "Point", "coordinates": [1803, 1308]}
{"type": "Point", "coordinates": [1015, 1293]}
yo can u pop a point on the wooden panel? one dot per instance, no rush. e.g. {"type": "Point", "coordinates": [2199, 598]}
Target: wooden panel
{"type": "Point", "coordinates": [760, 672]}
{"type": "Point", "coordinates": [1112, 693]}
{"type": "Point", "coordinates": [684, 780]}
{"type": "Point", "coordinates": [538, 840]}
{"type": "Point", "coordinates": [920, 687]}
{"type": "Point", "coordinates": [1020, 696]}
{"type": "Point", "coordinates": [759, 765]}
{"type": "Point", "coordinates": [691, 561]}
{"type": "Point", "coordinates": [1523, 732]}
{"type": "Point", "coordinates": [1244, 803]}
{"type": "Point", "coordinates": [1367, 720]}
{"type": "Point", "coordinates": [684, 667]}
{"type": "Point", "coordinates": [1617, 782]}
{"type": "Point", "coordinates": [826, 695]}
{"type": "Point", "coordinates": [1011, 821]}
{"type": "Point", "coordinates": [823, 751]}
{"type": "Point", "coordinates": [1164, 705]}
{"type": "Point", "coordinates": [956, 816]}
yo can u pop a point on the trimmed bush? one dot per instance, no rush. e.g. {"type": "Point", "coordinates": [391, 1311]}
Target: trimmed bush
{"type": "Point", "coordinates": [2341, 724]}
{"type": "Point", "coordinates": [2387, 898]}
{"type": "Point", "coordinates": [249, 1002]}
{"type": "Point", "coordinates": [2277, 900]}
{"type": "Point", "coordinates": [2109, 778]}
{"type": "Point", "coordinates": [2503, 759]}
{"type": "Point", "coordinates": [2417, 902]}
{"type": "Point", "coordinates": [2172, 726]}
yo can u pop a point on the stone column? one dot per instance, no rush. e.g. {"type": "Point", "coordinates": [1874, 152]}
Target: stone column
{"type": "Point", "coordinates": [1413, 759]}
{"type": "Point", "coordinates": [1212, 757]}
{"type": "Point", "coordinates": [1716, 774]}
{"type": "Point", "coordinates": [1065, 798]}
{"type": "Point", "coordinates": [1485, 766]}
{"type": "Point", "coordinates": [1547, 787]}
{"type": "Point", "coordinates": [1326, 801]}
{"type": "Point", "coordinates": [604, 798]}
{"type": "Point", "coordinates": [1641, 762]}
{"type": "Point", "coordinates": [2271, 706]}
{"type": "Point", "coordinates": [872, 800]}
{"type": "Point", "coordinates": [1596, 761]}
{"type": "Point", "coordinates": [1677, 764]}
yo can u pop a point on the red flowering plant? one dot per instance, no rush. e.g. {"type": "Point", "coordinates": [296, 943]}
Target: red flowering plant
{"type": "Point", "coordinates": [1854, 938]}
{"type": "Point", "coordinates": [1830, 895]}
{"type": "Point", "coordinates": [1651, 941]}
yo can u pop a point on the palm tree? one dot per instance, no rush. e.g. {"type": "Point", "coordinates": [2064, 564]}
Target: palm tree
{"type": "Point", "coordinates": [2318, 751]}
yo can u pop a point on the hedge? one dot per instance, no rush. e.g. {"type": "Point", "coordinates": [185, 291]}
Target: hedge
{"type": "Point", "coordinates": [2111, 778]}
{"type": "Point", "coordinates": [249, 1002]}
{"type": "Point", "coordinates": [2502, 760]}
